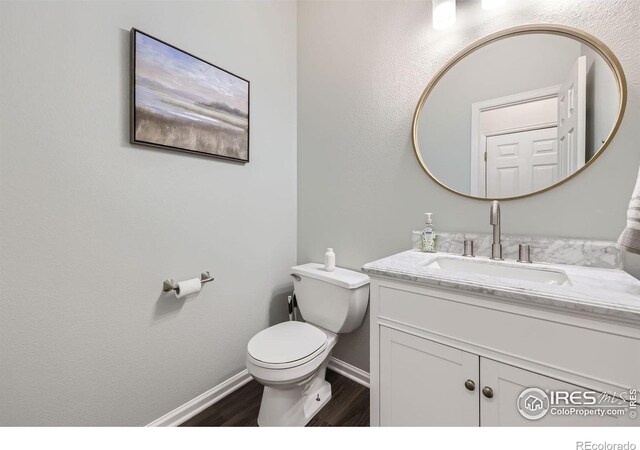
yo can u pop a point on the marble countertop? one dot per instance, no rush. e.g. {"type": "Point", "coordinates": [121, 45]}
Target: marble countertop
{"type": "Point", "coordinates": [612, 293]}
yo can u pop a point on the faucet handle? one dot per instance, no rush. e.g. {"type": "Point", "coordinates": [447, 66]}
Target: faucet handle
{"type": "Point", "coordinates": [468, 248]}
{"type": "Point", "coordinates": [524, 253]}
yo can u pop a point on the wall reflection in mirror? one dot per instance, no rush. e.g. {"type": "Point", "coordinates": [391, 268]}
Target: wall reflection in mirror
{"type": "Point", "coordinates": [518, 115]}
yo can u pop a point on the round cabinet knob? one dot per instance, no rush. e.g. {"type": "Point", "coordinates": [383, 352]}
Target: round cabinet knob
{"type": "Point", "coordinates": [487, 392]}
{"type": "Point", "coordinates": [469, 384]}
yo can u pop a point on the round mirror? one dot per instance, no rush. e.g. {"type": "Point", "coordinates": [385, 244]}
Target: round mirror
{"type": "Point", "coordinates": [519, 112]}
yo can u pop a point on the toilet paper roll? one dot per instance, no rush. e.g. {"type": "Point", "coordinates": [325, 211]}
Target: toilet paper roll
{"type": "Point", "coordinates": [188, 287]}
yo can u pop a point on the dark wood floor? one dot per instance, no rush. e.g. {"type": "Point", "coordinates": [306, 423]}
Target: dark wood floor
{"type": "Point", "coordinates": [348, 407]}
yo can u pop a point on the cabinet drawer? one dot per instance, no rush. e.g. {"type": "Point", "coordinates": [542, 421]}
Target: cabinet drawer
{"type": "Point", "coordinates": [478, 325]}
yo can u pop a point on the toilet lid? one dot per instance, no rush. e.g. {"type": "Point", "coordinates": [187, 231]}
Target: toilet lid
{"type": "Point", "coordinates": [286, 342]}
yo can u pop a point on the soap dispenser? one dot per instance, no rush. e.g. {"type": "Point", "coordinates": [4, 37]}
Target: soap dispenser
{"type": "Point", "coordinates": [428, 235]}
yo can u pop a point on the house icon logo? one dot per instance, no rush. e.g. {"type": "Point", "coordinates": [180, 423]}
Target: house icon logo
{"type": "Point", "coordinates": [533, 403]}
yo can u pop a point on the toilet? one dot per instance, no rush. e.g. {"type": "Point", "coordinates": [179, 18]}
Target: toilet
{"type": "Point", "coordinates": [290, 359]}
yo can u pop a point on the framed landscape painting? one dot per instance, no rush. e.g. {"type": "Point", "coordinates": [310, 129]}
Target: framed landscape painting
{"type": "Point", "coordinates": [181, 102]}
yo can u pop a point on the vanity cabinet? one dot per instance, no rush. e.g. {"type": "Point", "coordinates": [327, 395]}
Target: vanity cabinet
{"type": "Point", "coordinates": [444, 358]}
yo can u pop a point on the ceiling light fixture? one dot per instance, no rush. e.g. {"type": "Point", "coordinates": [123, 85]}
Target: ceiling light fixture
{"type": "Point", "coordinates": [444, 14]}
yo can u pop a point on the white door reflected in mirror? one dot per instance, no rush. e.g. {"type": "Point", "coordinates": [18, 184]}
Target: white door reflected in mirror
{"type": "Point", "coordinates": [522, 162]}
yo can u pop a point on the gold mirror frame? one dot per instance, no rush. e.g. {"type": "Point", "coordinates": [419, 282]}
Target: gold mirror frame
{"type": "Point", "coordinates": [560, 30]}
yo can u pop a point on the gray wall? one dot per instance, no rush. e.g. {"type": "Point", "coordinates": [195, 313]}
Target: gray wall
{"type": "Point", "coordinates": [361, 69]}
{"type": "Point", "coordinates": [602, 105]}
{"type": "Point", "coordinates": [507, 67]}
{"type": "Point", "coordinates": [90, 225]}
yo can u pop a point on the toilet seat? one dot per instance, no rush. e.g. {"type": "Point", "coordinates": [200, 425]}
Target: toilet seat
{"type": "Point", "coordinates": [286, 345]}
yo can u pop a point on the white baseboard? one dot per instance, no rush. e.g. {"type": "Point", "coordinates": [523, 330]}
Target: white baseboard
{"type": "Point", "coordinates": [349, 371]}
{"type": "Point", "coordinates": [203, 401]}
{"type": "Point", "coordinates": [183, 413]}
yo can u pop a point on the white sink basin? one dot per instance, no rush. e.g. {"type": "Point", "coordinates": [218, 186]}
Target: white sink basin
{"type": "Point", "coordinates": [502, 269]}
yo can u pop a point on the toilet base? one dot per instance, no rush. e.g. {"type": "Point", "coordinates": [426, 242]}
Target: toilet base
{"type": "Point", "coordinates": [294, 407]}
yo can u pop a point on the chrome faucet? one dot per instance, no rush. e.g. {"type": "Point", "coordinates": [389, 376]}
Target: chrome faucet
{"type": "Point", "coordinates": [496, 247]}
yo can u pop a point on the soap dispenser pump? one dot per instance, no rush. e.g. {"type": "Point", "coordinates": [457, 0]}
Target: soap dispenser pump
{"type": "Point", "coordinates": [428, 235]}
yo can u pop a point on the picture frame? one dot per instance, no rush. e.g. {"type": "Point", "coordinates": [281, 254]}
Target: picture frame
{"type": "Point", "coordinates": [181, 102]}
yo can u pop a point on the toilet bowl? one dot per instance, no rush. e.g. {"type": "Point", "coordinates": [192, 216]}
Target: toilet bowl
{"type": "Point", "coordinates": [290, 359]}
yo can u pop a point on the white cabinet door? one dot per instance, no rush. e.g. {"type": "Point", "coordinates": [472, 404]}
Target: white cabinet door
{"type": "Point", "coordinates": [572, 119]}
{"type": "Point", "coordinates": [422, 383]}
{"type": "Point", "coordinates": [507, 383]}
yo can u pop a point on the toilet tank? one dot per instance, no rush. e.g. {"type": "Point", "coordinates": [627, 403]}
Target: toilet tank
{"type": "Point", "coordinates": [335, 301]}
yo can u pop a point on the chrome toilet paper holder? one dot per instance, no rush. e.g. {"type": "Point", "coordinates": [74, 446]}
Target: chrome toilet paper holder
{"type": "Point", "coordinates": [171, 284]}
